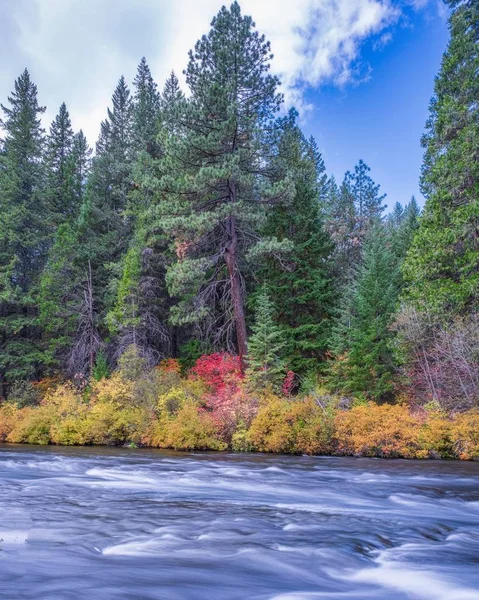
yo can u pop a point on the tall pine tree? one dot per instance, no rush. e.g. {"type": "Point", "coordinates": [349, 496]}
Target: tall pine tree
{"type": "Point", "coordinates": [146, 107]}
{"type": "Point", "coordinates": [442, 268]}
{"type": "Point", "coordinates": [362, 336]}
{"type": "Point", "coordinates": [24, 233]}
{"type": "Point", "coordinates": [303, 289]}
{"type": "Point", "coordinates": [218, 181]}
{"type": "Point", "coordinates": [59, 165]}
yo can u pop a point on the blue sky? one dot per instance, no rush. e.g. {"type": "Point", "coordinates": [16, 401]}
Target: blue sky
{"type": "Point", "coordinates": [381, 120]}
{"type": "Point", "coordinates": [360, 71]}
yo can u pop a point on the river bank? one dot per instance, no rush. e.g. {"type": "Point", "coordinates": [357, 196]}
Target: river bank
{"type": "Point", "coordinates": [275, 425]}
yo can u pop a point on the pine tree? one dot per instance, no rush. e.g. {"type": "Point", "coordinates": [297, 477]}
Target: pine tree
{"type": "Point", "coordinates": [146, 107]}
{"type": "Point", "coordinates": [351, 211]}
{"type": "Point", "coordinates": [24, 232]}
{"type": "Point", "coordinates": [266, 367]}
{"type": "Point", "coordinates": [442, 267]}
{"type": "Point", "coordinates": [402, 224]}
{"type": "Point", "coordinates": [303, 289]}
{"type": "Point", "coordinates": [172, 93]}
{"type": "Point", "coordinates": [218, 181]}
{"type": "Point", "coordinates": [138, 316]}
{"type": "Point", "coordinates": [81, 165]}
{"type": "Point", "coordinates": [369, 207]}
{"type": "Point", "coordinates": [59, 165]}
{"type": "Point", "coordinates": [171, 98]}
{"type": "Point", "coordinates": [341, 224]}
{"type": "Point", "coordinates": [85, 261]}
{"type": "Point", "coordinates": [140, 313]}
{"type": "Point", "coordinates": [362, 333]}
{"type": "Point", "coordinates": [106, 225]}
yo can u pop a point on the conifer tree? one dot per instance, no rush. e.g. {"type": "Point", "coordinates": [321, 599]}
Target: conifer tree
{"type": "Point", "coordinates": [139, 316]}
{"type": "Point", "coordinates": [81, 165]}
{"type": "Point", "coordinates": [24, 232]}
{"type": "Point", "coordinates": [146, 107]}
{"type": "Point", "coordinates": [368, 201]}
{"type": "Point", "coordinates": [218, 180]}
{"type": "Point", "coordinates": [59, 166]}
{"type": "Point", "coordinates": [304, 292]}
{"type": "Point", "coordinates": [106, 226]}
{"type": "Point", "coordinates": [351, 211]}
{"type": "Point", "coordinates": [170, 101]}
{"type": "Point", "coordinates": [442, 268]}
{"type": "Point", "coordinates": [172, 93]}
{"type": "Point", "coordinates": [80, 274]}
{"type": "Point", "coordinates": [402, 224]}
{"type": "Point", "coordinates": [266, 367]}
{"type": "Point", "coordinates": [362, 333]}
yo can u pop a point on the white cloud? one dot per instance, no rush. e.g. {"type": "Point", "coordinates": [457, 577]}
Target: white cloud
{"type": "Point", "coordinates": [77, 49]}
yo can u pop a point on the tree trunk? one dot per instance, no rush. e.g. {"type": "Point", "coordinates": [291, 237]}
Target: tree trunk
{"type": "Point", "coordinates": [236, 295]}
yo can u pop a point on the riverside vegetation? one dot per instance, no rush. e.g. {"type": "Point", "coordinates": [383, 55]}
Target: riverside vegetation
{"type": "Point", "coordinates": [202, 283]}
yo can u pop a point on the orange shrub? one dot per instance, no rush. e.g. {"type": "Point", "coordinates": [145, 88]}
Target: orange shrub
{"type": "Point", "coordinates": [8, 419]}
{"type": "Point", "coordinates": [465, 435]}
{"type": "Point", "coordinates": [385, 430]}
{"type": "Point", "coordinates": [169, 365]}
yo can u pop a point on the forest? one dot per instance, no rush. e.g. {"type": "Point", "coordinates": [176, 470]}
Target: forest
{"type": "Point", "coordinates": [199, 280]}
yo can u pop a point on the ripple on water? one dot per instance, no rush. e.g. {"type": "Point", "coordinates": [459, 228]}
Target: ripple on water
{"type": "Point", "coordinates": [140, 525]}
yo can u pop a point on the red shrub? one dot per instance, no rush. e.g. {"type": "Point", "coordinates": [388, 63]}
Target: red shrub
{"type": "Point", "coordinates": [218, 371]}
{"type": "Point", "coordinates": [288, 383]}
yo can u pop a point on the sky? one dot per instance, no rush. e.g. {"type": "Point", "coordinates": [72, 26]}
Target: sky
{"type": "Point", "coordinates": [360, 72]}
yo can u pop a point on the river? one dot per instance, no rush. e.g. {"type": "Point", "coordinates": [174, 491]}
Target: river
{"type": "Point", "coordinates": [120, 524]}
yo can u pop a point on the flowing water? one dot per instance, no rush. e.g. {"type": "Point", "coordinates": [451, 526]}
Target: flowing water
{"type": "Point", "coordinates": [114, 524]}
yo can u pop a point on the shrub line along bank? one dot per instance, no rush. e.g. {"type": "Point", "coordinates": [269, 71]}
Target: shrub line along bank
{"type": "Point", "coordinates": [212, 408]}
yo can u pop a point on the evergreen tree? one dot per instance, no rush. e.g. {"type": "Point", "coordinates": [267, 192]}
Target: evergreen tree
{"type": "Point", "coordinates": [368, 201]}
{"type": "Point", "coordinates": [304, 292]}
{"type": "Point", "coordinates": [442, 267]}
{"type": "Point", "coordinates": [362, 333]}
{"type": "Point", "coordinates": [81, 165]}
{"type": "Point", "coordinates": [171, 98]}
{"type": "Point", "coordinates": [172, 93]}
{"type": "Point", "coordinates": [146, 107]}
{"type": "Point", "coordinates": [402, 224]}
{"type": "Point", "coordinates": [85, 261]}
{"type": "Point", "coordinates": [341, 224]}
{"type": "Point", "coordinates": [139, 315]}
{"type": "Point", "coordinates": [24, 232]}
{"type": "Point", "coordinates": [266, 367]}
{"type": "Point", "coordinates": [59, 163]}
{"type": "Point", "coordinates": [351, 211]}
{"type": "Point", "coordinates": [218, 181]}
{"type": "Point", "coordinates": [106, 226]}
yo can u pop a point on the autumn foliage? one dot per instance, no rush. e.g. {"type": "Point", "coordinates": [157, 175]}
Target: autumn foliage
{"type": "Point", "coordinates": [212, 408]}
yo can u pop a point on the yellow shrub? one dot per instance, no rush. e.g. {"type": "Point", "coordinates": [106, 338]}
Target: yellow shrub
{"type": "Point", "coordinates": [435, 435]}
{"type": "Point", "coordinates": [312, 426]}
{"type": "Point", "coordinates": [189, 429]}
{"type": "Point", "coordinates": [269, 431]}
{"type": "Point", "coordinates": [33, 425]}
{"type": "Point", "coordinates": [116, 389]}
{"type": "Point", "coordinates": [8, 419]}
{"type": "Point", "coordinates": [465, 435]}
{"type": "Point", "coordinates": [378, 430]}
{"type": "Point", "coordinates": [70, 431]}
{"type": "Point", "coordinates": [298, 427]}
{"type": "Point", "coordinates": [109, 424]}
{"type": "Point", "coordinates": [174, 399]}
